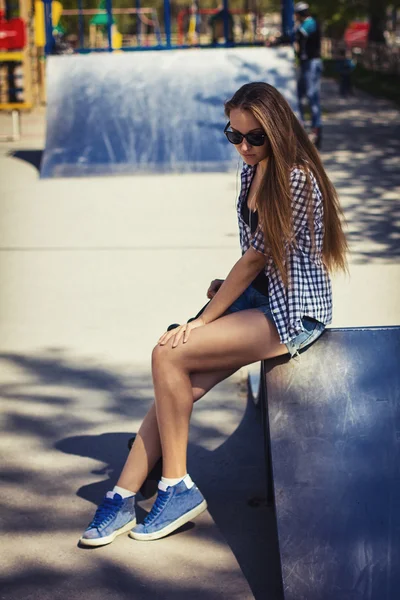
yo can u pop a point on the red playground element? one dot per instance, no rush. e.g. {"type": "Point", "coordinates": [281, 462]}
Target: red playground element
{"type": "Point", "coordinates": [12, 33]}
{"type": "Point", "coordinates": [356, 34]}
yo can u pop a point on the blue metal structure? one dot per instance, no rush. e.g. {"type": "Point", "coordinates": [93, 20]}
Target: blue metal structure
{"type": "Point", "coordinates": [119, 115]}
{"type": "Point", "coordinates": [138, 26]}
{"type": "Point", "coordinates": [226, 22]}
{"type": "Point", "coordinates": [109, 24]}
{"type": "Point", "coordinates": [287, 18]}
{"type": "Point", "coordinates": [287, 26]}
{"type": "Point", "coordinates": [334, 434]}
{"type": "Point", "coordinates": [48, 27]}
{"type": "Point", "coordinates": [167, 23]}
{"type": "Point", "coordinates": [81, 32]}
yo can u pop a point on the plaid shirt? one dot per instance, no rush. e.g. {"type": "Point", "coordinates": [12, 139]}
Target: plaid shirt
{"type": "Point", "coordinates": [309, 291]}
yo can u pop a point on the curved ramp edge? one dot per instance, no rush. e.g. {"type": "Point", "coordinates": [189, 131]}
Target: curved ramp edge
{"type": "Point", "coordinates": [126, 113]}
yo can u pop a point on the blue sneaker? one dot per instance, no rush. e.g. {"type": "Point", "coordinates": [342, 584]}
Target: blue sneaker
{"type": "Point", "coordinates": [172, 509]}
{"type": "Point", "coordinates": [114, 516]}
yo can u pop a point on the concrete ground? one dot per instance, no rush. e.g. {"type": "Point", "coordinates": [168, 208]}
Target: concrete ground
{"type": "Point", "coordinates": [92, 271]}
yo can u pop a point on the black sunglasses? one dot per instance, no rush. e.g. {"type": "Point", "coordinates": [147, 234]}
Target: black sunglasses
{"type": "Point", "coordinates": [254, 139]}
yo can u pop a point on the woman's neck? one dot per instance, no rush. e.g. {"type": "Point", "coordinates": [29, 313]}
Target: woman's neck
{"type": "Point", "coordinates": [262, 167]}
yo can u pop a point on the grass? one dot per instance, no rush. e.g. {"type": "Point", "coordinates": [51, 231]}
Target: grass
{"type": "Point", "coordinates": [381, 85]}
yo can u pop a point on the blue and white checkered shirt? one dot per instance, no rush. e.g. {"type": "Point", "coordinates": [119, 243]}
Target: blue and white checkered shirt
{"type": "Point", "coordinates": [309, 292]}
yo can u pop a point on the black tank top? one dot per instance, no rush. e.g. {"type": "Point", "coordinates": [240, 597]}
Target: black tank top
{"type": "Point", "coordinates": [260, 283]}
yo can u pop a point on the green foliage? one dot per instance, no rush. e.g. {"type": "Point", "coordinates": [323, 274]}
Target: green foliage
{"type": "Point", "coordinates": [337, 14]}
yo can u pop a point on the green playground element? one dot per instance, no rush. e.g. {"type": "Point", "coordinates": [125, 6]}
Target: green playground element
{"type": "Point", "coordinates": [101, 19]}
{"type": "Point", "coordinates": [59, 29]}
{"type": "Point", "coordinates": [100, 23]}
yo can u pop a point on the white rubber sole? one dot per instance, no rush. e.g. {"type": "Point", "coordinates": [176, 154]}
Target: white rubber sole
{"type": "Point", "coordinates": [109, 538]}
{"type": "Point", "coordinates": [197, 510]}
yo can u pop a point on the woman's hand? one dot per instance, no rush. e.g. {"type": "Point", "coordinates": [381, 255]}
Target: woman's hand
{"type": "Point", "coordinates": [183, 331]}
{"type": "Point", "coordinates": [214, 287]}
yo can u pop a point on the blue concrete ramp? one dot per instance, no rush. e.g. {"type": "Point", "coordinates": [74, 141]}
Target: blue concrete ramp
{"type": "Point", "coordinates": [334, 416]}
{"type": "Point", "coordinates": [152, 111]}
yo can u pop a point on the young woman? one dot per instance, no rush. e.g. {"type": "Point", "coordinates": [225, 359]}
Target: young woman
{"type": "Point", "coordinates": [277, 299]}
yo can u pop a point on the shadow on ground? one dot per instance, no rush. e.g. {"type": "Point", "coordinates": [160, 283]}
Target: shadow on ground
{"type": "Point", "coordinates": [361, 146]}
{"type": "Point", "coordinates": [32, 157]}
{"type": "Point", "coordinates": [53, 409]}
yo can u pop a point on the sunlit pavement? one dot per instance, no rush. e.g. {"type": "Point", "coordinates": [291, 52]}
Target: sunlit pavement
{"type": "Point", "coordinates": [92, 271]}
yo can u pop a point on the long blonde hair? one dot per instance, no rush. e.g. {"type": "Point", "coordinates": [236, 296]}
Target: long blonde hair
{"type": "Point", "coordinates": [289, 146]}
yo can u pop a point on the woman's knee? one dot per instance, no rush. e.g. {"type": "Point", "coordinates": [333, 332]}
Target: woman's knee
{"type": "Point", "coordinates": [158, 356]}
{"type": "Point", "coordinates": [163, 356]}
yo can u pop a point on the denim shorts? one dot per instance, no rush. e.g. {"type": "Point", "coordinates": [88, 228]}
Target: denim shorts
{"type": "Point", "coordinates": [252, 298]}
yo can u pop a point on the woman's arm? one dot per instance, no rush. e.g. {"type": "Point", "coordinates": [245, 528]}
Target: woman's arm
{"type": "Point", "coordinates": [247, 268]}
{"type": "Point", "coordinates": [239, 278]}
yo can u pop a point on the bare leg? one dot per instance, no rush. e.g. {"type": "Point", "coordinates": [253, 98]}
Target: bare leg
{"type": "Point", "coordinates": [146, 449]}
{"type": "Point", "coordinates": [228, 343]}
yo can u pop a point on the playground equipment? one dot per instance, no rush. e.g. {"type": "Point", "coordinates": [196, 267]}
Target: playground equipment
{"type": "Point", "coordinates": [98, 23]}
{"type": "Point", "coordinates": [15, 66]}
{"type": "Point", "coordinates": [40, 29]}
{"type": "Point", "coordinates": [99, 29]}
{"type": "Point", "coordinates": [221, 26]}
{"type": "Point", "coordinates": [207, 23]}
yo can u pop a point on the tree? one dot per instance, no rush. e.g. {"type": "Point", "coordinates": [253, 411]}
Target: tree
{"type": "Point", "coordinates": [337, 14]}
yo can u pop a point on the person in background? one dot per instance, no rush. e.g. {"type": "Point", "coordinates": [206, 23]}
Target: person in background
{"type": "Point", "coordinates": [345, 66]}
{"type": "Point", "coordinates": [307, 38]}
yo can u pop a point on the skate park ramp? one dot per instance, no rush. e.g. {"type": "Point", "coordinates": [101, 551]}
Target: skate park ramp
{"type": "Point", "coordinates": [153, 111]}
{"type": "Point", "coordinates": [335, 431]}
